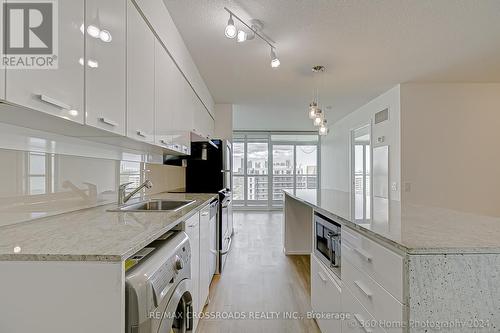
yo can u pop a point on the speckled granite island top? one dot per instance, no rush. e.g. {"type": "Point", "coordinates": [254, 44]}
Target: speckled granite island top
{"type": "Point", "coordinates": [413, 229]}
{"type": "Point", "coordinates": [93, 234]}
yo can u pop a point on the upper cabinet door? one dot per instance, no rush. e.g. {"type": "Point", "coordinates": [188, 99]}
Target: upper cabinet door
{"type": "Point", "coordinates": [170, 98]}
{"type": "Point", "coordinates": [140, 77]}
{"type": "Point", "coordinates": [105, 67]}
{"type": "Point", "coordinates": [55, 91]}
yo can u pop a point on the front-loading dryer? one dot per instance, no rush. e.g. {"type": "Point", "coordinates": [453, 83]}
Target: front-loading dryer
{"type": "Point", "coordinates": [157, 290]}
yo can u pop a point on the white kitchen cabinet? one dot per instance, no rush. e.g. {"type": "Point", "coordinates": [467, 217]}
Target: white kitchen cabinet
{"type": "Point", "coordinates": [173, 107]}
{"type": "Point", "coordinates": [193, 232]}
{"type": "Point", "coordinates": [325, 296]}
{"type": "Point", "coordinates": [140, 77]}
{"type": "Point", "coordinates": [105, 66]}
{"type": "Point", "coordinates": [205, 276]}
{"type": "Point", "coordinates": [360, 320]}
{"type": "Point", "coordinates": [203, 122]}
{"type": "Point", "coordinates": [58, 91]}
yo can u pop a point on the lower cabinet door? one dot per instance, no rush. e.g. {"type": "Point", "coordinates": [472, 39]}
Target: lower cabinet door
{"type": "Point", "coordinates": [325, 298]}
{"type": "Point", "coordinates": [193, 232]}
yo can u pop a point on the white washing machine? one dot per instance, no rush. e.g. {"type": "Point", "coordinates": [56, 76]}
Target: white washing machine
{"type": "Point", "coordinates": [157, 289]}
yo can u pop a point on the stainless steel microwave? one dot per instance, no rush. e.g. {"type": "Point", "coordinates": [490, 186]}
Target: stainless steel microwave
{"type": "Point", "coordinates": [327, 242]}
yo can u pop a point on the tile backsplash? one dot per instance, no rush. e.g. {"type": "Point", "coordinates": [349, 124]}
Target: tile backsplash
{"type": "Point", "coordinates": [37, 184]}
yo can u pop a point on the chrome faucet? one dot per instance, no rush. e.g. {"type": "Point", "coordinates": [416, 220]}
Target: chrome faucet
{"type": "Point", "coordinates": [123, 198]}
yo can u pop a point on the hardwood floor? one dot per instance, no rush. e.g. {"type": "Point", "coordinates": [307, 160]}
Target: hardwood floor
{"type": "Point", "coordinates": [259, 279]}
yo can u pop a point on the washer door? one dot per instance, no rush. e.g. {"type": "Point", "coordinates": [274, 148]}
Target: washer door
{"type": "Point", "coordinates": [178, 314]}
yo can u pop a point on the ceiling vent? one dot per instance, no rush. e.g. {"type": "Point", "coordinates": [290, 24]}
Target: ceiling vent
{"type": "Point", "coordinates": [382, 116]}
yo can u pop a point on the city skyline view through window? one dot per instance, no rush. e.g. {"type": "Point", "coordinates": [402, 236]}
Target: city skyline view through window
{"type": "Point", "coordinates": [265, 165]}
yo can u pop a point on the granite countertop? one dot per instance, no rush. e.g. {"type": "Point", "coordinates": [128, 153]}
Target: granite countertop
{"type": "Point", "coordinates": [93, 234]}
{"type": "Point", "coordinates": [414, 229]}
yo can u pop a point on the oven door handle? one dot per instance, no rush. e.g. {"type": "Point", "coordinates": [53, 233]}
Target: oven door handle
{"type": "Point", "coordinates": [228, 247]}
{"type": "Point", "coordinates": [333, 254]}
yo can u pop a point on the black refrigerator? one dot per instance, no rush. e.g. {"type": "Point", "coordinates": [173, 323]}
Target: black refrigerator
{"type": "Point", "coordinates": [209, 170]}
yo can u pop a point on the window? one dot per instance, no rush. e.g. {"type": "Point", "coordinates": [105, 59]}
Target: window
{"type": "Point", "coordinates": [265, 164]}
{"type": "Point", "coordinates": [39, 173]}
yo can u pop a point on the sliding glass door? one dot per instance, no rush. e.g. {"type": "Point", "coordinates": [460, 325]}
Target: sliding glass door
{"type": "Point", "coordinates": [265, 164]}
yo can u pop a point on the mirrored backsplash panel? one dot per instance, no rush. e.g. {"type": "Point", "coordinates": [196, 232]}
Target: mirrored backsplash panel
{"type": "Point", "coordinates": [37, 184]}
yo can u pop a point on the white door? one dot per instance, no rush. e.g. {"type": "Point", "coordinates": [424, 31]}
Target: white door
{"type": "Point", "coordinates": [193, 232]}
{"type": "Point", "coordinates": [325, 297]}
{"type": "Point", "coordinates": [361, 174]}
{"type": "Point", "coordinates": [140, 77]}
{"type": "Point", "coordinates": [170, 99]}
{"type": "Point", "coordinates": [205, 257]}
{"type": "Point", "coordinates": [105, 64]}
{"type": "Point", "coordinates": [56, 91]}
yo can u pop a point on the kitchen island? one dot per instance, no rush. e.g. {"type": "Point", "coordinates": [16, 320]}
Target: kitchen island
{"type": "Point", "coordinates": [449, 274]}
{"type": "Point", "coordinates": [66, 273]}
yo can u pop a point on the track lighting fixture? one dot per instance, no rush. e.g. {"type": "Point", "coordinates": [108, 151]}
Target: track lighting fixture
{"type": "Point", "coordinates": [275, 62]}
{"type": "Point", "coordinates": [230, 31]}
{"type": "Point", "coordinates": [251, 31]}
{"type": "Point", "coordinates": [242, 36]}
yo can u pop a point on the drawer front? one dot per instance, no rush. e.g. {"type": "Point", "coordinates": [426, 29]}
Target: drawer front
{"type": "Point", "coordinates": [382, 264]}
{"type": "Point", "coordinates": [382, 305]}
{"type": "Point", "coordinates": [325, 297]}
{"type": "Point", "coordinates": [359, 320]}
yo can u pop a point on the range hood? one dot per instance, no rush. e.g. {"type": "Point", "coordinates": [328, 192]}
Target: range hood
{"type": "Point", "coordinates": [198, 151]}
{"type": "Point", "coordinates": [195, 137]}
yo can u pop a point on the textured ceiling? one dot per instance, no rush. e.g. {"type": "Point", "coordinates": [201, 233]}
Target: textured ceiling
{"type": "Point", "coordinates": [367, 46]}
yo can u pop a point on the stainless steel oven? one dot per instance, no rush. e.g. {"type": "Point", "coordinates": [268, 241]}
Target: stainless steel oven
{"type": "Point", "coordinates": [327, 242]}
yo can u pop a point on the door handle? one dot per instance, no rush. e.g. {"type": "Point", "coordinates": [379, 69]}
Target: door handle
{"type": "Point", "coordinates": [228, 247]}
{"type": "Point", "coordinates": [322, 277]}
{"type": "Point", "coordinates": [55, 102]}
{"type": "Point", "coordinates": [107, 121]}
{"type": "Point", "coordinates": [364, 289]}
{"type": "Point", "coordinates": [361, 322]}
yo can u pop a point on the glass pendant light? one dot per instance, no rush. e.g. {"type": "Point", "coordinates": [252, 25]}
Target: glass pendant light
{"type": "Point", "coordinates": [313, 107]}
{"type": "Point", "coordinates": [323, 129]}
{"type": "Point", "coordinates": [318, 118]}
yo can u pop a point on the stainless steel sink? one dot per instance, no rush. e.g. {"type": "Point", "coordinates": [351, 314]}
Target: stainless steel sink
{"type": "Point", "coordinates": [154, 206]}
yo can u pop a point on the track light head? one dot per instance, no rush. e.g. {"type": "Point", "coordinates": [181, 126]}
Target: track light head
{"type": "Point", "coordinates": [275, 62]}
{"type": "Point", "coordinates": [230, 31]}
{"type": "Point", "coordinates": [242, 36]}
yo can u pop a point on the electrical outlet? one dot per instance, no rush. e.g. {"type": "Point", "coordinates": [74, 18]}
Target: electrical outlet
{"type": "Point", "coordinates": [394, 187]}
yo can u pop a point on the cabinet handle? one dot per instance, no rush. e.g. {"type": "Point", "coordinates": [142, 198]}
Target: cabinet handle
{"type": "Point", "coordinates": [361, 321]}
{"type": "Point", "coordinates": [322, 277]}
{"type": "Point", "coordinates": [364, 289]}
{"type": "Point", "coordinates": [204, 213]}
{"type": "Point", "coordinates": [107, 121]}
{"type": "Point", "coordinates": [55, 102]}
{"type": "Point", "coordinates": [163, 142]}
{"type": "Point", "coordinates": [360, 252]}
{"type": "Point", "coordinates": [141, 134]}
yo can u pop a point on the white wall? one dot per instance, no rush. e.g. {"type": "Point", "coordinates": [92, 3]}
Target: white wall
{"type": "Point", "coordinates": [450, 152]}
{"type": "Point", "coordinates": [251, 117]}
{"type": "Point", "coordinates": [335, 147]}
{"type": "Point", "coordinates": [224, 121]}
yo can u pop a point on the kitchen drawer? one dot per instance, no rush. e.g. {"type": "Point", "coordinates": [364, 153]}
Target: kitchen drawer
{"type": "Point", "coordinates": [325, 297]}
{"type": "Point", "coordinates": [359, 320]}
{"type": "Point", "coordinates": [382, 305]}
{"type": "Point", "coordinates": [382, 264]}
